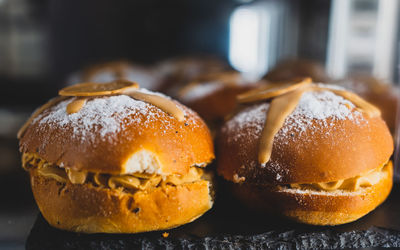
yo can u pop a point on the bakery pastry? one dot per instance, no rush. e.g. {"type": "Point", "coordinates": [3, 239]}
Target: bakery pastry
{"type": "Point", "coordinates": [382, 94]}
{"type": "Point", "coordinates": [213, 95]}
{"type": "Point", "coordinates": [115, 158]}
{"type": "Point", "coordinates": [117, 70]}
{"type": "Point", "coordinates": [297, 68]}
{"type": "Point", "coordinates": [177, 72]}
{"type": "Point", "coordinates": [314, 153]}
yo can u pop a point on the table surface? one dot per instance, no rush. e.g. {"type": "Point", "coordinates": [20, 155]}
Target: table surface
{"type": "Point", "coordinates": [229, 225]}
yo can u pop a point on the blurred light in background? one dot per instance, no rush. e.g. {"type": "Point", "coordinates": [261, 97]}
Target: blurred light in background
{"type": "Point", "coordinates": [248, 43]}
{"type": "Point", "coordinates": [386, 39]}
{"type": "Point", "coordinates": [362, 38]}
{"type": "Point", "coordinates": [23, 42]}
{"type": "Point", "coordinates": [261, 34]}
{"type": "Point", "coordinates": [336, 59]}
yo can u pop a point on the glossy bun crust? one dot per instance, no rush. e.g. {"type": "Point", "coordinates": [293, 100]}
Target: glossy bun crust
{"type": "Point", "coordinates": [344, 149]}
{"type": "Point", "coordinates": [326, 138]}
{"type": "Point", "coordinates": [176, 145]}
{"type": "Point", "coordinates": [89, 209]}
{"type": "Point", "coordinates": [313, 207]}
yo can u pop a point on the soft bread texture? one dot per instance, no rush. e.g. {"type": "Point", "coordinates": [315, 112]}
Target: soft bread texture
{"type": "Point", "coordinates": [88, 209]}
{"type": "Point", "coordinates": [163, 145]}
{"type": "Point", "coordinates": [142, 161]}
{"type": "Point", "coordinates": [314, 207]}
{"type": "Point", "coordinates": [344, 149]}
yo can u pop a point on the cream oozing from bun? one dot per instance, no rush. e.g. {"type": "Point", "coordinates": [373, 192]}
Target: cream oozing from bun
{"type": "Point", "coordinates": [329, 161]}
{"type": "Point", "coordinates": [119, 161]}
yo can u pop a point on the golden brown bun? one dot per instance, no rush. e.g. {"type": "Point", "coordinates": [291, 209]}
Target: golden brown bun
{"type": "Point", "coordinates": [219, 104]}
{"type": "Point", "coordinates": [297, 68]}
{"type": "Point", "coordinates": [383, 95]}
{"type": "Point", "coordinates": [214, 105]}
{"type": "Point", "coordinates": [88, 209]}
{"type": "Point", "coordinates": [316, 208]}
{"type": "Point", "coordinates": [325, 151]}
{"type": "Point", "coordinates": [179, 71]}
{"type": "Point", "coordinates": [177, 145]}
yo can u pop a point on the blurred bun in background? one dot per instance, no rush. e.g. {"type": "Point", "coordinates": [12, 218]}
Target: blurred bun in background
{"type": "Point", "coordinates": [213, 95]}
{"type": "Point", "coordinates": [179, 71]}
{"type": "Point", "coordinates": [297, 68]}
{"type": "Point", "coordinates": [115, 70]}
{"type": "Point", "coordinates": [382, 94]}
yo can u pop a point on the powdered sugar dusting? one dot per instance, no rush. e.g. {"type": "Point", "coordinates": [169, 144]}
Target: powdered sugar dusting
{"type": "Point", "coordinates": [104, 116]}
{"type": "Point", "coordinates": [321, 105]}
{"type": "Point", "coordinates": [312, 107]}
{"type": "Point", "coordinates": [252, 117]}
{"type": "Point", "coordinates": [315, 110]}
{"type": "Point", "coordinates": [317, 107]}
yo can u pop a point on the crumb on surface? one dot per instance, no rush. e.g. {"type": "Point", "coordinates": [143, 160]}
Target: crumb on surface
{"type": "Point", "coordinates": [238, 179]}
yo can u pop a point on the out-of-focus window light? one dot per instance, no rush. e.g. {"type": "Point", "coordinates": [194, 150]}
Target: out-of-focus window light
{"type": "Point", "coordinates": [248, 48]}
{"type": "Point", "coordinates": [339, 18]}
{"type": "Point", "coordinates": [385, 46]}
{"type": "Point", "coordinates": [362, 37]}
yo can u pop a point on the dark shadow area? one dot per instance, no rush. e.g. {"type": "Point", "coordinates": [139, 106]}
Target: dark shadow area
{"type": "Point", "coordinates": [229, 224]}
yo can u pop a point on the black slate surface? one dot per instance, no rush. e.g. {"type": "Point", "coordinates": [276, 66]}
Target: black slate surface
{"type": "Point", "coordinates": [231, 226]}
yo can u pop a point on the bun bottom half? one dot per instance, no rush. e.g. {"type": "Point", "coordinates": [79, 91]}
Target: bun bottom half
{"type": "Point", "coordinates": [315, 207]}
{"type": "Point", "coordinates": [89, 209]}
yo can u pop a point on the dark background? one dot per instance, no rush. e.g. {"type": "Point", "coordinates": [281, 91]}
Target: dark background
{"type": "Point", "coordinates": [79, 33]}
{"type": "Point", "coordinates": [50, 39]}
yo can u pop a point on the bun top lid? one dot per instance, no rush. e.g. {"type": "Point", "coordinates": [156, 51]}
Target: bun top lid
{"type": "Point", "coordinates": [117, 128]}
{"type": "Point", "coordinates": [302, 132]}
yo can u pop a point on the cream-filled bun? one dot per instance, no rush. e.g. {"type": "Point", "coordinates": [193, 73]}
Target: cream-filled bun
{"type": "Point", "coordinates": [177, 72]}
{"type": "Point", "coordinates": [382, 94]}
{"type": "Point", "coordinates": [114, 158]}
{"type": "Point", "coordinates": [213, 95]}
{"type": "Point", "coordinates": [118, 70]}
{"type": "Point", "coordinates": [314, 153]}
{"type": "Point", "coordinates": [296, 68]}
